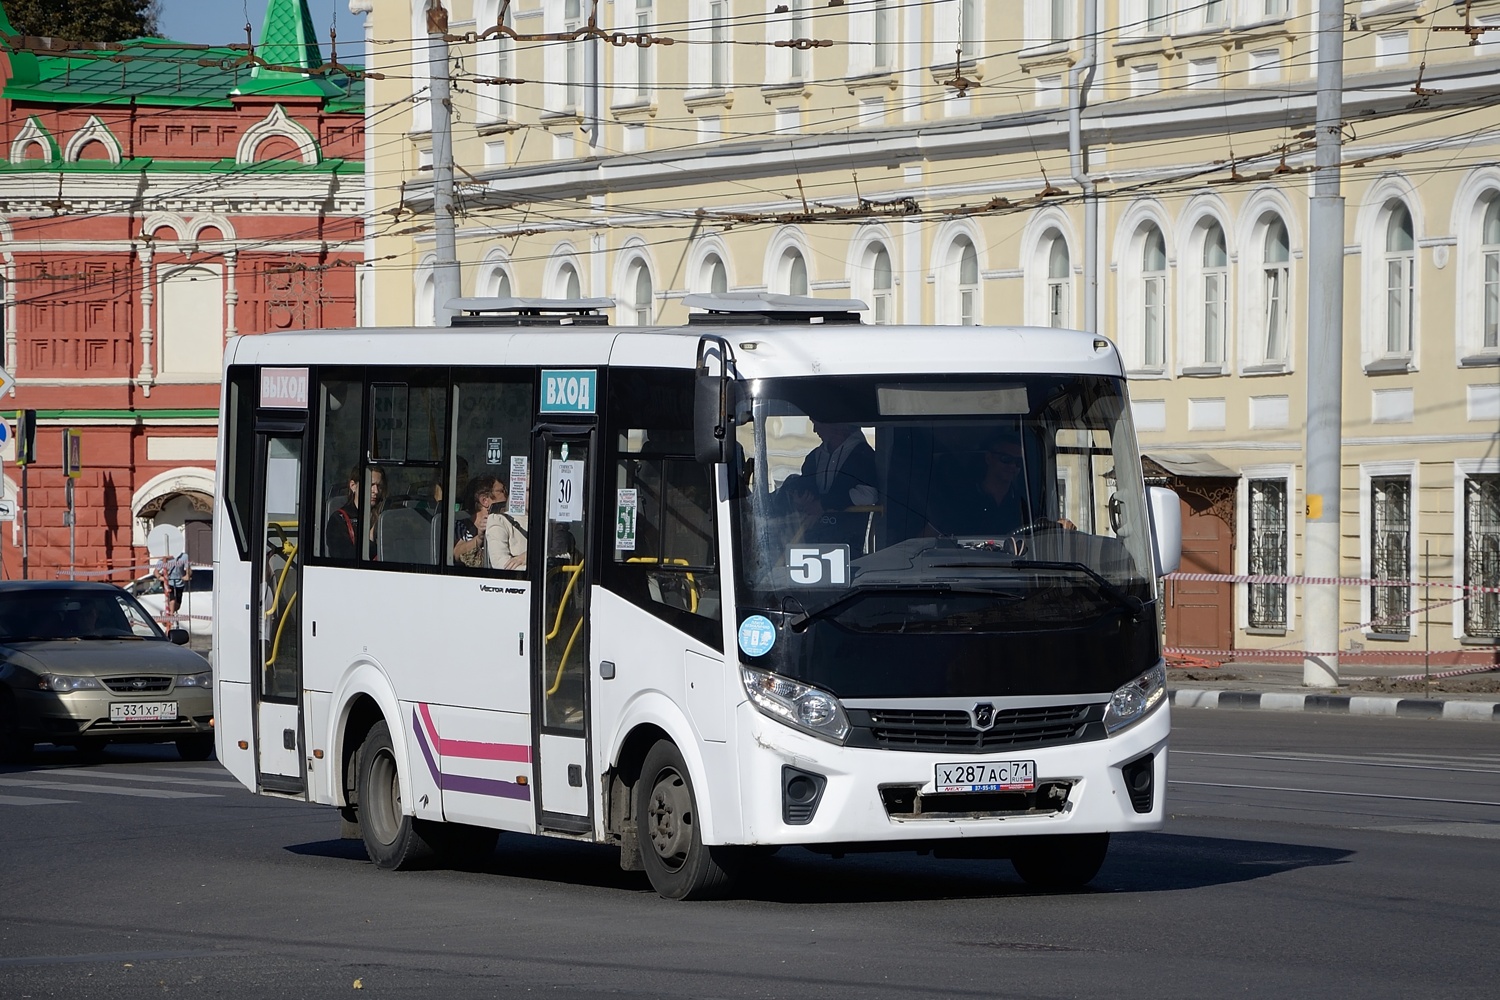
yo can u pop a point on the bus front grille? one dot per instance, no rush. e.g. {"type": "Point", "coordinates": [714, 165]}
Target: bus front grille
{"type": "Point", "coordinates": [953, 731]}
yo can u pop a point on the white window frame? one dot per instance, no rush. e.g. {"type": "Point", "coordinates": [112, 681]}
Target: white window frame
{"type": "Point", "coordinates": [1255, 473]}
{"type": "Point", "coordinates": [1398, 323]}
{"type": "Point", "coordinates": [1153, 302]}
{"type": "Point", "coordinates": [1462, 470]}
{"type": "Point", "coordinates": [1382, 470]}
{"type": "Point", "coordinates": [1477, 282]}
{"type": "Point", "coordinates": [1378, 267]}
{"type": "Point", "coordinates": [959, 301]}
{"type": "Point", "coordinates": [494, 59]}
{"type": "Point", "coordinates": [1205, 288]}
{"type": "Point", "coordinates": [1274, 307]}
{"type": "Point", "coordinates": [634, 311]}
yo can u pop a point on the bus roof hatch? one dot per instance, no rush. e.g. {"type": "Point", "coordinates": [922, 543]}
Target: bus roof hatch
{"type": "Point", "coordinates": [767, 308]}
{"type": "Point", "coordinates": [530, 312]}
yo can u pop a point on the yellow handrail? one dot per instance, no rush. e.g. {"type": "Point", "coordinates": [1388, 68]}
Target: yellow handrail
{"type": "Point", "coordinates": [289, 558]}
{"type": "Point", "coordinates": [574, 571]}
{"type": "Point", "coordinates": [693, 584]}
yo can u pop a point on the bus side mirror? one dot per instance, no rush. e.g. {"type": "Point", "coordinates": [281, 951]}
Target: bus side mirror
{"type": "Point", "coordinates": [1166, 529]}
{"type": "Point", "coordinates": [713, 408]}
{"type": "Point", "coordinates": [711, 429]}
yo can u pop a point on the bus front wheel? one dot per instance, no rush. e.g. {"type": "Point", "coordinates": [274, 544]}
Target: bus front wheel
{"type": "Point", "coordinates": [393, 840]}
{"type": "Point", "coordinates": [678, 863]}
{"type": "Point", "coordinates": [1064, 861]}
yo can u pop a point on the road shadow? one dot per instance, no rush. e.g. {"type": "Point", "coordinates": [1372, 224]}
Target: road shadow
{"type": "Point", "coordinates": [1142, 862]}
{"type": "Point", "coordinates": [46, 756]}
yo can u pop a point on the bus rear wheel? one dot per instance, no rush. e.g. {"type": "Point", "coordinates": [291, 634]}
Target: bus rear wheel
{"type": "Point", "coordinates": [1064, 861]}
{"type": "Point", "coordinates": [678, 863]}
{"type": "Point", "coordinates": [393, 840]}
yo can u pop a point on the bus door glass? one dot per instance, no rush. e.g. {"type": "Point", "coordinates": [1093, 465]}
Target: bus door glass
{"type": "Point", "coordinates": [564, 475]}
{"type": "Point", "coordinates": [278, 653]}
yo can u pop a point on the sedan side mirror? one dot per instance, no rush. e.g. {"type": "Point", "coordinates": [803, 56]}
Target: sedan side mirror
{"type": "Point", "coordinates": [178, 636]}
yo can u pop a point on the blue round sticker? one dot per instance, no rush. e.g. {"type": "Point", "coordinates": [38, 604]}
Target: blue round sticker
{"type": "Point", "coordinates": [757, 635]}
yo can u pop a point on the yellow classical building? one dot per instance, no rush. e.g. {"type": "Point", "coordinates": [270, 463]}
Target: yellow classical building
{"type": "Point", "coordinates": [1137, 167]}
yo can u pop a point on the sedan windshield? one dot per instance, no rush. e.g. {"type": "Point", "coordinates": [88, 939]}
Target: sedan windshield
{"type": "Point", "coordinates": [74, 614]}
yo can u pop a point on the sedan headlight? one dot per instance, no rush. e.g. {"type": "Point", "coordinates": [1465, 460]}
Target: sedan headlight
{"type": "Point", "coordinates": [1132, 702]}
{"type": "Point", "coordinates": [62, 683]}
{"type": "Point", "coordinates": [799, 705]}
{"type": "Point", "coordinates": [202, 679]}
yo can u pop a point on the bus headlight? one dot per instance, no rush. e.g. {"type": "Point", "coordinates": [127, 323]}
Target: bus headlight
{"type": "Point", "coordinates": [1132, 702]}
{"type": "Point", "coordinates": [800, 705]}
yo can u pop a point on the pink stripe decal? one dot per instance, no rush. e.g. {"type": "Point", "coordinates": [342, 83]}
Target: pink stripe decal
{"type": "Point", "coordinates": [472, 749]}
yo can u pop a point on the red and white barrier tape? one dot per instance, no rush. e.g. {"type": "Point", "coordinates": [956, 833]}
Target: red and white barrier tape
{"type": "Point", "coordinates": [1329, 581]}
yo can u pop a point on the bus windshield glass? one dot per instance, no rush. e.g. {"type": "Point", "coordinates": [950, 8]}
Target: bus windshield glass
{"type": "Point", "coordinates": [880, 507]}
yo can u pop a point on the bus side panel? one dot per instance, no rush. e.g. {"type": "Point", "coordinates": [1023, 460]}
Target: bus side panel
{"type": "Point", "coordinates": [653, 663]}
{"type": "Point", "coordinates": [437, 639]}
{"type": "Point", "coordinates": [484, 759]}
{"type": "Point", "coordinates": [320, 781]}
{"type": "Point", "coordinates": [232, 724]}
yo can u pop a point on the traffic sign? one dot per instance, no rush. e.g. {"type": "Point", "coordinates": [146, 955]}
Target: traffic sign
{"type": "Point", "coordinates": [72, 453]}
{"type": "Point", "coordinates": [7, 509]}
{"type": "Point", "coordinates": [7, 382]}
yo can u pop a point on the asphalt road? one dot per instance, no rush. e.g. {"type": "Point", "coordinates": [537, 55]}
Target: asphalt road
{"type": "Point", "coordinates": [1306, 856]}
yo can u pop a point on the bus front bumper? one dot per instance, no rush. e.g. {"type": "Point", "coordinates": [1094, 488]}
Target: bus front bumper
{"type": "Point", "coordinates": [802, 790]}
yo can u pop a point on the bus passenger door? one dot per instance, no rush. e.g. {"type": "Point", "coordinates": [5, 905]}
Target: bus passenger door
{"type": "Point", "coordinates": [277, 583]}
{"type": "Point", "coordinates": [562, 481]}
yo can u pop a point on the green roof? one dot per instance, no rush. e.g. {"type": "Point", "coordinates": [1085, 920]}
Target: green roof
{"type": "Point", "coordinates": [161, 72]}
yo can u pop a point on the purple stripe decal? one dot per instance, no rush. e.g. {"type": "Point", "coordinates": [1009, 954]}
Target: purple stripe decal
{"type": "Point", "coordinates": [416, 725]}
{"type": "Point", "coordinates": [485, 786]}
{"type": "Point", "coordinates": [463, 782]}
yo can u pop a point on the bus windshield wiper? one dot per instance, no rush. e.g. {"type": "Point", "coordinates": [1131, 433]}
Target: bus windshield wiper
{"type": "Point", "coordinates": [860, 591]}
{"type": "Point", "coordinates": [1113, 591]}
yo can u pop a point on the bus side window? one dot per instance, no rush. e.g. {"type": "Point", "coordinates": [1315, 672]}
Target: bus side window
{"type": "Point", "coordinates": [492, 419]}
{"type": "Point", "coordinates": [338, 451]}
{"type": "Point", "coordinates": [408, 437]}
{"type": "Point", "coordinates": [666, 551]}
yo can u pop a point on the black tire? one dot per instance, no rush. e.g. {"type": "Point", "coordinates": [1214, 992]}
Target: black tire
{"type": "Point", "coordinates": [198, 747]}
{"type": "Point", "coordinates": [1065, 861]}
{"type": "Point", "coordinates": [393, 840]}
{"type": "Point", "coordinates": [666, 817]}
{"type": "Point", "coordinates": [14, 748]}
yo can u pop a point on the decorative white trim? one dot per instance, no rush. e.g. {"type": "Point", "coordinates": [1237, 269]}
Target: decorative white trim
{"type": "Point", "coordinates": [183, 479]}
{"type": "Point", "coordinates": [93, 130]}
{"type": "Point", "coordinates": [278, 124]}
{"type": "Point", "coordinates": [33, 132]}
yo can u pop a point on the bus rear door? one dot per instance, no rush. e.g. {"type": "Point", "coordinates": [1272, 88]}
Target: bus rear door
{"type": "Point", "coordinates": [277, 584]}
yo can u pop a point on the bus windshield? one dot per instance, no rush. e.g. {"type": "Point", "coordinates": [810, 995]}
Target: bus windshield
{"type": "Point", "coordinates": [875, 508]}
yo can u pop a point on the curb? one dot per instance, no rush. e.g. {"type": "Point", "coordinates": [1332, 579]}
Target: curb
{"type": "Point", "coordinates": [1338, 704]}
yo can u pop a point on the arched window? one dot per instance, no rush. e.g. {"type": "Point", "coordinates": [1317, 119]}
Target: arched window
{"type": "Point", "coordinates": [1154, 298]}
{"type": "Point", "coordinates": [791, 273]}
{"type": "Point", "coordinates": [566, 284]}
{"type": "Point", "coordinates": [575, 54]}
{"type": "Point", "coordinates": [422, 303]}
{"type": "Point", "coordinates": [638, 288]}
{"type": "Point", "coordinates": [882, 286]}
{"type": "Point", "coordinates": [1215, 282]}
{"type": "Point", "coordinates": [1490, 235]}
{"type": "Point", "coordinates": [968, 283]}
{"type": "Point", "coordinates": [1059, 282]}
{"type": "Point", "coordinates": [718, 276]}
{"type": "Point", "coordinates": [1275, 287]}
{"type": "Point", "coordinates": [1400, 281]}
{"type": "Point", "coordinates": [498, 284]}
{"type": "Point", "coordinates": [494, 59]}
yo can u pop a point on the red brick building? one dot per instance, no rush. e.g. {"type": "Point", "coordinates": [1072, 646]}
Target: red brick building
{"type": "Point", "coordinates": [156, 199]}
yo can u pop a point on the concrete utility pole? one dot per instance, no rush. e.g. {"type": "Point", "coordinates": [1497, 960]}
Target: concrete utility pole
{"type": "Point", "coordinates": [445, 281]}
{"type": "Point", "coordinates": [1323, 456]}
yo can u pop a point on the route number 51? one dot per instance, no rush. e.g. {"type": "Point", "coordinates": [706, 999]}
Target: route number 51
{"type": "Point", "coordinates": [819, 564]}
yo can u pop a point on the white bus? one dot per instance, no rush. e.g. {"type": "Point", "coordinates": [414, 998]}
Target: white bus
{"type": "Point", "coordinates": [772, 578]}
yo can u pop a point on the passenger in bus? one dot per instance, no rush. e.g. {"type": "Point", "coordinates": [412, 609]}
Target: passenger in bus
{"type": "Point", "coordinates": [842, 467]}
{"type": "Point", "coordinates": [504, 537]}
{"type": "Point", "coordinates": [468, 532]}
{"type": "Point", "coordinates": [813, 524]}
{"type": "Point", "coordinates": [997, 504]}
{"type": "Point", "coordinates": [341, 533]}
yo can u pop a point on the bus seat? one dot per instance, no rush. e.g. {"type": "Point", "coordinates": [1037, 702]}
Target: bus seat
{"type": "Point", "coordinates": [406, 536]}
